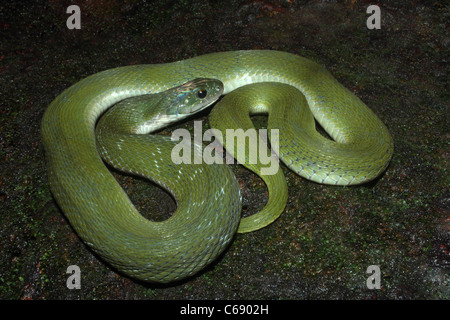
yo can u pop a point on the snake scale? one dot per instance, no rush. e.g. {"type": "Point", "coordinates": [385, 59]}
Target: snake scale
{"type": "Point", "coordinates": [208, 196]}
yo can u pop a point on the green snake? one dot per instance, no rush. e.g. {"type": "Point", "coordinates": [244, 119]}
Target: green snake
{"type": "Point", "coordinates": [208, 196]}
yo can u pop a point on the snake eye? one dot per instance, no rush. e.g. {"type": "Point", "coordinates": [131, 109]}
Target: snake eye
{"type": "Point", "coordinates": [201, 94]}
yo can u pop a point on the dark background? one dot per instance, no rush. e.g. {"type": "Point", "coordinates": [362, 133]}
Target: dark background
{"type": "Point", "coordinates": [323, 243]}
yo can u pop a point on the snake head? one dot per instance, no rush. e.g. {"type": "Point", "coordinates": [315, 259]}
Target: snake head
{"type": "Point", "coordinates": [148, 113]}
{"type": "Point", "coordinates": [193, 96]}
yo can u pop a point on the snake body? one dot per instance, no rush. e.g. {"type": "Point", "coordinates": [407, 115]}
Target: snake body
{"type": "Point", "coordinates": [197, 233]}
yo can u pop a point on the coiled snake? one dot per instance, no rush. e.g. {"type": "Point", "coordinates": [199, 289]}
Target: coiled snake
{"type": "Point", "coordinates": [208, 197]}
